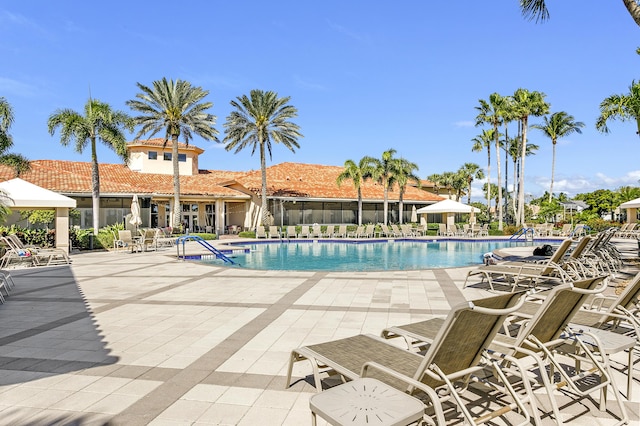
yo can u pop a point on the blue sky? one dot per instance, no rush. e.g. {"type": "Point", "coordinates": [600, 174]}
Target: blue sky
{"type": "Point", "coordinates": [365, 76]}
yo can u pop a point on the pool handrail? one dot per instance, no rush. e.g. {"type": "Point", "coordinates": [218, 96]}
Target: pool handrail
{"type": "Point", "coordinates": [203, 243]}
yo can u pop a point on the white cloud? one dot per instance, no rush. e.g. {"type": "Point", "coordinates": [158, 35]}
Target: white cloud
{"type": "Point", "coordinates": [305, 84]}
{"type": "Point", "coordinates": [15, 87]}
{"type": "Point", "coordinates": [464, 123]}
{"type": "Point", "coordinates": [348, 32]}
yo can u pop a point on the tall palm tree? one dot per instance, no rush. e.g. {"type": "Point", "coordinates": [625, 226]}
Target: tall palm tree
{"type": "Point", "coordinates": [492, 113]}
{"type": "Point", "coordinates": [436, 179]}
{"type": "Point", "coordinates": [559, 125]}
{"type": "Point", "coordinates": [469, 172]}
{"type": "Point", "coordinates": [526, 104]}
{"type": "Point", "coordinates": [357, 173]}
{"type": "Point", "coordinates": [537, 10]}
{"type": "Point", "coordinates": [404, 173]}
{"type": "Point", "coordinates": [383, 171]}
{"type": "Point", "coordinates": [177, 109]}
{"type": "Point", "coordinates": [481, 142]}
{"type": "Point", "coordinates": [259, 119]}
{"type": "Point", "coordinates": [17, 162]}
{"type": "Point", "coordinates": [99, 123]}
{"type": "Point", "coordinates": [513, 146]}
{"type": "Point", "coordinates": [623, 107]}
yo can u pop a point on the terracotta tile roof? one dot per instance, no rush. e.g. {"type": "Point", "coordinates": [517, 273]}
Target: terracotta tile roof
{"type": "Point", "coordinates": [318, 181]}
{"type": "Point", "coordinates": [71, 177]}
{"type": "Point", "coordinates": [159, 142]}
{"type": "Point", "coordinates": [285, 179]}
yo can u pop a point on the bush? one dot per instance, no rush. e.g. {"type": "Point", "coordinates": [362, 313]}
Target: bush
{"type": "Point", "coordinates": [597, 224]}
{"type": "Point", "coordinates": [247, 234]}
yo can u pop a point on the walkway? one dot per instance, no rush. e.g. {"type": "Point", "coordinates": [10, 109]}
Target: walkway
{"type": "Point", "coordinates": [137, 339]}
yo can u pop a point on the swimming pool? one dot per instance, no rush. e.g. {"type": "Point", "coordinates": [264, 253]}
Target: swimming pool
{"type": "Point", "coordinates": [370, 256]}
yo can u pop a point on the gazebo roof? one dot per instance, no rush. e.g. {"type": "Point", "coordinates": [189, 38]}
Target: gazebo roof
{"type": "Point", "coordinates": [23, 194]}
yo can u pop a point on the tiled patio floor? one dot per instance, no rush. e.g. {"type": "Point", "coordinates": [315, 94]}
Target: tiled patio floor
{"type": "Point", "coordinates": [136, 339]}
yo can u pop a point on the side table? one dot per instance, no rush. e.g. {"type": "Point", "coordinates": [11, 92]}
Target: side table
{"type": "Point", "coordinates": [366, 401]}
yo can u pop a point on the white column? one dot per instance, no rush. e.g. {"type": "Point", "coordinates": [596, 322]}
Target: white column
{"type": "Point", "coordinates": [221, 220]}
{"type": "Point", "coordinates": [62, 228]}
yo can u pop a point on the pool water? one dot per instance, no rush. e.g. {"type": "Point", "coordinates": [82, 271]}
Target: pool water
{"type": "Point", "coordinates": [360, 257]}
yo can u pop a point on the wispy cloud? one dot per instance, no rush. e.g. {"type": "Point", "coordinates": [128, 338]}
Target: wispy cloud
{"type": "Point", "coordinates": [15, 87]}
{"type": "Point", "coordinates": [362, 38]}
{"type": "Point", "coordinates": [464, 123]}
{"type": "Point", "coordinates": [8, 18]}
{"type": "Point", "coordinates": [573, 185]}
{"type": "Point", "coordinates": [305, 84]}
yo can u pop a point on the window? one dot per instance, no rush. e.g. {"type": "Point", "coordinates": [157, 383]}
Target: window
{"type": "Point", "coordinates": [153, 155]}
{"type": "Point", "coordinates": [182, 158]}
{"type": "Point", "coordinates": [167, 156]}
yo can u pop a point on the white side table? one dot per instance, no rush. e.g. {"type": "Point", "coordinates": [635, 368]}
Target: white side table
{"type": "Point", "coordinates": [366, 401]}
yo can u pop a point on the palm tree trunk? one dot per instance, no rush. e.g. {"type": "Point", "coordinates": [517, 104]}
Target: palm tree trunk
{"type": "Point", "coordinates": [263, 168]}
{"type": "Point", "coordinates": [553, 169]}
{"type": "Point", "coordinates": [95, 187]}
{"type": "Point", "coordinates": [177, 207]}
{"type": "Point", "coordinates": [400, 206]}
{"type": "Point", "coordinates": [489, 182]}
{"type": "Point", "coordinates": [523, 154]}
{"type": "Point", "coordinates": [634, 10]}
{"type": "Point", "coordinates": [499, 178]}
{"type": "Point", "coordinates": [386, 202]}
{"type": "Point", "coordinates": [359, 206]}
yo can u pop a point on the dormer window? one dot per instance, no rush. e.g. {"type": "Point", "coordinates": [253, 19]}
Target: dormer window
{"type": "Point", "coordinates": [182, 158]}
{"type": "Point", "coordinates": [167, 156]}
{"type": "Point", "coordinates": [153, 155]}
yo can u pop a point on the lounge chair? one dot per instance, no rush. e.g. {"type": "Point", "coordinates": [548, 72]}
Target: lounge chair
{"type": "Point", "coordinates": [274, 232]}
{"type": "Point", "coordinates": [328, 232]}
{"type": "Point", "coordinates": [117, 242]}
{"type": "Point", "coordinates": [396, 230]}
{"type": "Point", "coordinates": [565, 231]}
{"type": "Point", "coordinates": [521, 271]}
{"type": "Point", "coordinates": [291, 232]}
{"type": "Point", "coordinates": [465, 333]}
{"type": "Point", "coordinates": [316, 231]}
{"type": "Point", "coordinates": [40, 256]}
{"type": "Point", "coordinates": [543, 333]}
{"type": "Point", "coordinates": [342, 231]}
{"type": "Point", "coordinates": [369, 231]}
{"type": "Point", "coordinates": [442, 230]}
{"type": "Point", "coordinates": [261, 232]}
{"type": "Point", "coordinates": [129, 240]}
{"type": "Point", "coordinates": [305, 231]}
{"type": "Point", "coordinates": [406, 231]}
{"type": "Point", "coordinates": [358, 233]}
{"type": "Point", "coordinates": [161, 239]}
{"type": "Point", "coordinates": [147, 238]}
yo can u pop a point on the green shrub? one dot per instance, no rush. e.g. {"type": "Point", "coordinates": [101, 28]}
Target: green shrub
{"type": "Point", "coordinates": [247, 234]}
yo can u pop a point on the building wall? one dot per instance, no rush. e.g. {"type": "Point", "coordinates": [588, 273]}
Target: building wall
{"type": "Point", "coordinates": [142, 160]}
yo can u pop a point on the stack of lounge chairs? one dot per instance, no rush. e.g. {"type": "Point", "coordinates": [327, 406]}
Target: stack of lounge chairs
{"type": "Point", "coordinates": [16, 252]}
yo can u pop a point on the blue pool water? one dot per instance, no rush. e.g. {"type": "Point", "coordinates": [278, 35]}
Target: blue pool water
{"type": "Point", "coordinates": [372, 256]}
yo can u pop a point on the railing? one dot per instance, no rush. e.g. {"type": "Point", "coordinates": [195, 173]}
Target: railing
{"type": "Point", "coordinates": [523, 232]}
{"type": "Point", "coordinates": [203, 243]}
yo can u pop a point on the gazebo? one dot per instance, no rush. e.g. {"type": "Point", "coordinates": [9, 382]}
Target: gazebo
{"type": "Point", "coordinates": [22, 195]}
{"type": "Point", "coordinates": [632, 209]}
{"type": "Point", "coordinates": [448, 208]}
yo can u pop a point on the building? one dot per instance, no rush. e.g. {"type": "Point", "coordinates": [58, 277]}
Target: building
{"type": "Point", "coordinates": [215, 200]}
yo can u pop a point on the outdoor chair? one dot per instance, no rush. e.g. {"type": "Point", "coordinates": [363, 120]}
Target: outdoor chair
{"type": "Point", "coordinates": [442, 230]}
{"type": "Point", "coordinates": [342, 231]}
{"type": "Point", "coordinates": [328, 233]}
{"type": "Point", "coordinates": [316, 231]}
{"type": "Point", "coordinates": [406, 230]}
{"type": "Point", "coordinates": [40, 256]}
{"type": "Point", "coordinates": [305, 231]}
{"type": "Point", "coordinates": [396, 230]}
{"type": "Point", "coordinates": [516, 272]}
{"type": "Point", "coordinates": [565, 231]}
{"type": "Point", "coordinates": [160, 239]}
{"type": "Point", "coordinates": [274, 232]}
{"type": "Point", "coordinates": [449, 365]}
{"type": "Point", "coordinates": [358, 233]}
{"type": "Point", "coordinates": [540, 340]}
{"type": "Point", "coordinates": [117, 242]}
{"type": "Point", "coordinates": [261, 232]}
{"type": "Point", "coordinates": [291, 232]}
{"type": "Point", "coordinates": [129, 240]}
{"type": "Point", "coordinates": [147, 238]}
{"type": "Point", "coordinates": [369, 231]}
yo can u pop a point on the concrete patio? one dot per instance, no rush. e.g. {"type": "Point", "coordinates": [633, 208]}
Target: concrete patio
{"type": "Point", "coordinates": [142, 338]}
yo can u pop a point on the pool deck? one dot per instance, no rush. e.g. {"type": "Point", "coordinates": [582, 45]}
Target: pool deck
{"type": "Point", "coordinates": [142, 338]}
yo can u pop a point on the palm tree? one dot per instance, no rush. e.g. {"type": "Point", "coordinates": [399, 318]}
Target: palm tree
{"type": "Point", "coordinates": [513, 149]}
{"type": "Point", "coordinates": [624, 107]}
{"type": "Point", "coordinates": [481, 142]}
{"type": "Point", "coordinates": [404, 173]}
{"type": "Point", "coordinates": [383, 171]}
{"type": "Point", "coordinates": [492, 112]}
{"type": "Point", "coordinates": [99, 123]}
{"type": "Point", "coordinates": [469, 172]}
{"type": "Point", "coordinates": [256, 122]}
{"type": "Point", "coordinates": [435, 178]}
{"type": "Point", "coordinates": [17, 162]}
{"type": "Point", "coordinates": [177, 109]}
{"type": "Point", "coordinates": [357, 173]}
{"type": "Point", "coordinates": [559, 125]}
{"type": "Point", "coordinates": [526, 104]}
{"type": "Point", "coordinates": [537, 10]}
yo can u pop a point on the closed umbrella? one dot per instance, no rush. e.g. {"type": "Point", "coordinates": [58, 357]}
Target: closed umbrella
{"type": "Point", "coordinates": [135, 220]}
{"type": "Point", "coordinates": [414, 214]}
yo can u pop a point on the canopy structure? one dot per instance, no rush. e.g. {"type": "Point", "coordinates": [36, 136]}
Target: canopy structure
{"type": "Point", "coordinates": [632, 209]}
{"type": "Point", "coordinates": [448, 208]}
{"type": "Point", "coordinates": [22, 195]}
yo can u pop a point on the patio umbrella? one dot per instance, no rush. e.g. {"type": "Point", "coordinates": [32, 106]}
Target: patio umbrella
{"type": "Point", "coordinates": [414, 214]}
{"type": "Point", "coordinates": [135, 220]}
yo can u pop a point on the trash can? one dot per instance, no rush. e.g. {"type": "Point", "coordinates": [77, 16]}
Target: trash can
{"type": "Point", "coordinates": [91, 241]}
